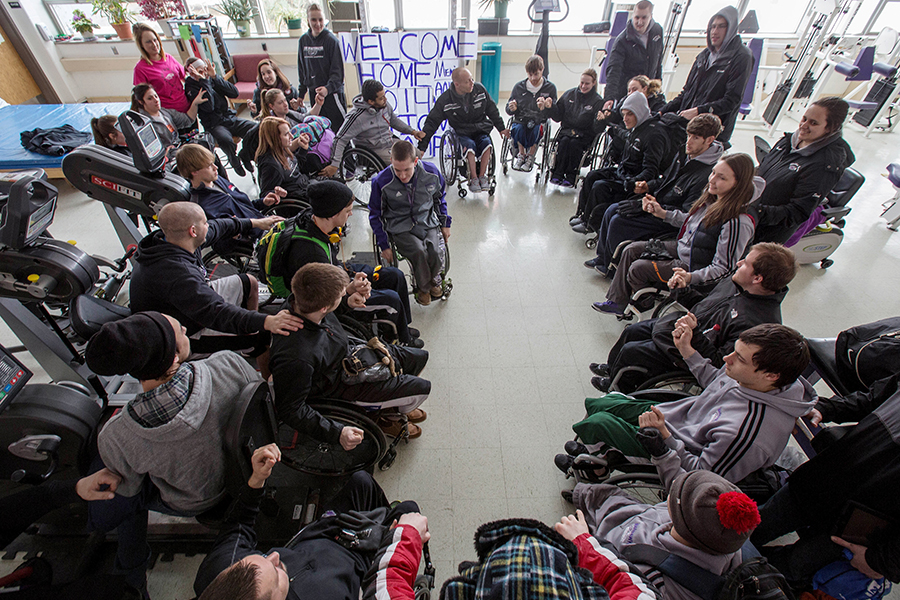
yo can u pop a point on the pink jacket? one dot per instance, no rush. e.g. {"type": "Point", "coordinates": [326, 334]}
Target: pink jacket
{"type": "Point", "coordinates": [167, 78]}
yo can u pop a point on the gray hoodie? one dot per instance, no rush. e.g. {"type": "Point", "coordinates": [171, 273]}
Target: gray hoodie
{"type": "Point", "coordinates": [185, 458]}
{"type": "Point", "coordinates": [730, 14]}
{"type": "Point", "coordinates": [636, 102]}
{"type": "Point", "coordinates": [369, 127]}
{"type": "Point", "coordinates": [616, 517]}
{"type": "Point", "coordinates": [730, 429]}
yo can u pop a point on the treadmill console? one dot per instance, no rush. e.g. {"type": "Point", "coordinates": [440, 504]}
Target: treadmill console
{"type": "Point", "coordinates": [27, 211]}
{"type": "Point", "coordinates": [13, 377]}
{"type": "Point", "coordinates": [146, 148]}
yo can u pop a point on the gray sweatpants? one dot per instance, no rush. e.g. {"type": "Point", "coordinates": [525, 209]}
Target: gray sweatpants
{"type": "Point", "coordinates": [634, 273]}
{"type": "Point", "coordinates": [424, 256]}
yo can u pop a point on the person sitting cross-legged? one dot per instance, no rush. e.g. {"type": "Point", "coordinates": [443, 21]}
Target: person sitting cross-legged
{"type": "Point", "coordinates": [309, 363]}
{"type": "Point", "coordinates": [165, 450]}
{"type": "Point", "coordinates": [321, 562]}
{"type": "Point", "coordinates": [409, 196]}
{"type": "Point", "coordinates": [741, 421]}
{"type": "Point", "coordinates": [752, 295]}
{"type": "Point", "coordinates": [169, 277]}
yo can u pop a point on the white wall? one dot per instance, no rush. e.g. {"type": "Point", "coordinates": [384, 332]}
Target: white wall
{"type": "Point", "coordinates": [24, 20]}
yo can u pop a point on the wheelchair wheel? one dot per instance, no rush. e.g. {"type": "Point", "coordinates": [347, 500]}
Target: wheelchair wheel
{"type": "Point", "coordinates": [590, 243]}
{"type": "Point", "coordinates": [287, 208]}
{"type": "Point", "coordinates": [448, 152]}
{"type": "Point", "coordinates": [358, 167]}
{"type": "Point", "coordinates": [681, 381]}
{"type": "Point", "coordinates": [324, 458]}
{"type": "Point", "coordinates": [645, 487]}
{"type": "Point", "coordinates": [506, 150]}
{"type": "Point", "coordinates": [233, 263]}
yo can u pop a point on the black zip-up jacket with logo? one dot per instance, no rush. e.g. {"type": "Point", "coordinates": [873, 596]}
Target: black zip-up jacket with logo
{"type": "Point", "coordinates": [796, 185]}
{"type": "Point", "coordinates": [722, 317]}
{"type": "Point", "coordinates": [526, 102]}
{"type": "Point", "coordinates": [468, 115]}
{"type": "Point", "coordinates": [577, 113]}
{"type": "Point", "coordinates": [645, 147]}
{"type": "Point", "coordinates": [307, 363]}
{"type": "Point", "coordinates": [717, 88]}
{"type": "Point", "coordinates": [629, 58]}
{"type": "Point", "coordinates": [682, 183]}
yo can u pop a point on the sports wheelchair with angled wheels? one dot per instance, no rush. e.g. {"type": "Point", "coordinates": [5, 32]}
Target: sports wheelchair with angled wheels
{"type": "Point", "coordinates": [446, 282]}
{"type": "Point", "coordinates": [595, 156]}
{"type": "Point", "coordinates": [358, 167]}
{"type": "Point", "coordinates": [454, 167]}
{"type": "Point", "coordinates": [509, 149]}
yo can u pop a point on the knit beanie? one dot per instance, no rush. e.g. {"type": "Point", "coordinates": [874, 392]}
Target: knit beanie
{"type": "Point", "coordinates": [143, 345]}
{"type": "Point", "coordinates": [636, 102]}
{"type": "Point", "coordinates": [328, 197]}
{"type": "Point", "coordinates": [711, 513]}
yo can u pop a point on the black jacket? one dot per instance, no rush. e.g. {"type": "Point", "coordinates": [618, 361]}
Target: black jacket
{"type": "Point", "coordinates": [717, 88]}
{"type": "Point", "coordinates": [55, 141]}
{"type": "Point", "coordinates": [272, 173]}
{"type": "Point", "coordinates": [796, 183]}
{"type": "Point", "coordinates": [722, 317]}
{"type": "Point", "coordinates": [307, 363]}
{"type": "Point", "coordinates": [577, 113]}
{"type": "Point", "coordinates": [526, 102]}
{"type": "Point", "coordinates": [645, 148]}
{"type": "Point", "coordinates": [469, 115]}
{"type": "Point", "coordinates": [682, 183]}
{"type": "Point", "coordinates": [862, 466]}
{"type": "Point", "coordinates": [318, 566]}
{"type": "Point", "coordinates": [173, 281]}
{"type": "Point", "coordinates": [215, 111]}
{"type": "Point", "coordinates": [629, 58]}
{"type": "Point", "coordinates": [319, 63]}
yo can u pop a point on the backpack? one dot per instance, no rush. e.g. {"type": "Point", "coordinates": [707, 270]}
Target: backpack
{"type": "Point", "coordinates": [753, 579]}
{"type": "Point", "coordinates": [866, 353]}
{"type": "Point", "coordinates": [271, 254]}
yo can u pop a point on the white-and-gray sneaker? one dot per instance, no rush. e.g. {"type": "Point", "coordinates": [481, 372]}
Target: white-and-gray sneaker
{"type": "Point", "coordinates": [518, 162]}
{"type": "Point", "coordinates": [485, 184]}
{"type": "Point", "coordinates": [475, 185]}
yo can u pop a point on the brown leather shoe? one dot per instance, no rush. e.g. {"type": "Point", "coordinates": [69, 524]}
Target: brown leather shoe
{"type": "Point", "coordinates": [423, 298]}
{"type": "Point", "coordinates": [394, 428]}
{"type": "Point", "coordinates": [416, 416]}
{"type": "Point", "coordinates": [436, 292]}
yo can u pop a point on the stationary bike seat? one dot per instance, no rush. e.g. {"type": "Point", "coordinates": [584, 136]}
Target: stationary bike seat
{"type": "Point", "coordinates": [89, 314]}
{"type": "Point", "coordinates": [894, 174]}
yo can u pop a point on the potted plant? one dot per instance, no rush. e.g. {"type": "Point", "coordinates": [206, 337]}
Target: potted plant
{"type": "Point", "coordinates": [292, 17]}
{"type": "Point", "coordinates": [83, 25]}
{"type": "Point", "coordinates": [499, 25]}
{"type": "Point", "coordinates": [162, 10]}
{"type": "Point", "coordinates": [116, 12]}
{"type": "Point", "coordinates": [240, 12]}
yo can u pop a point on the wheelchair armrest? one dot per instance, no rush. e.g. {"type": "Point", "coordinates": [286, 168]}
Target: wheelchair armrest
{"type": "Point", "coordinates": [836, 213]}
{"type": "Point", "coordinates": [659, 395]}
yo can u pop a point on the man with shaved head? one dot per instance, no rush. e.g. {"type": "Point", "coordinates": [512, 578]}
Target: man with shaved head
{"type": "Point", "coordinates": [169, 277]}
{"type": "Point", "coordinates": [471, 112]}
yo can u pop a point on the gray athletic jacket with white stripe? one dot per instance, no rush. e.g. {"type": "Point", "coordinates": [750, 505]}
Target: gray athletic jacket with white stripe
{"type": "Point", "coordinates": [730, 429]}
{"type": "Point", "coordinates": [368, 126]}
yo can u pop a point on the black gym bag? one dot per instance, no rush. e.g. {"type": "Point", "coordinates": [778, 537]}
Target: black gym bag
{"type": "Point", "coordinates": [866, 353]}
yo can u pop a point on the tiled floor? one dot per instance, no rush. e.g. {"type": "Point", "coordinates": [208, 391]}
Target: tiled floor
{"type": "Point", "coordinates": [510, 348]}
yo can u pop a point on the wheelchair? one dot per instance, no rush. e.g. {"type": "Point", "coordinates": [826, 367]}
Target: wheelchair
{"type": "Point", "coordinates": [510, 149]}
{"type": "Point", "coordinates": [595, 156]}
{"type": "Point", "coordinates": [446, 282]}
{"type": "Point", "coordinates": [358, 166]}
{"type": "Point", "coordinates": [454, 167]}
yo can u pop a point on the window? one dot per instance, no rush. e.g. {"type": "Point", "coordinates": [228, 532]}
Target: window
{"type": "Point", "coordinates": [61, 11]}
{"type": "Point", "coordinates": [889, 17]}
{"type": "Point", "coordinates": [777, 17]}
{"type": "Point", "coordinates": [862, 16]}
{"type": "Point", "coordinates": [418, 14]}
{"type": "Point", "coordinates": [701, 11]}
{"type": "Point", "coordinates": [382, 14]}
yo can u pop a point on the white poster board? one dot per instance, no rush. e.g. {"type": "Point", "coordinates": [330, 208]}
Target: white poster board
{"type": "Point", "coordinates": [413, 66]}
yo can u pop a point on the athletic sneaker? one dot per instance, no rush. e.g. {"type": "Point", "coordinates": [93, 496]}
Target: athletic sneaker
{"type": "Point", "coordinates": [599, 369]}
{"type": "Point", "coordinates": [518, 162]}
{"type": "Point", "coordinates": [485, 184]}
{"type": "Point", "coordinates": [529, 162]}
{"type": "Point", "coordinates": [567, 184]}
{"type": "Point", "coordinates": [555, 180]}
{"type": "Point", "coordinates": [475, 185]}
{"type": "Point", "coordinates": [590, 264]}
{"type": "Point", "coordinates": [574, 220]}
{"type": "Point", "coordinates": [601, 383]}
{"type": "Point", "coordinates": [609, 306]}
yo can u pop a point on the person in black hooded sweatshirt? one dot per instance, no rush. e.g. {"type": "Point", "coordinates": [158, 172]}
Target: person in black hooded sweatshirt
{"type": "Point", "coordinates": [321, 68]}
{"type": "Point", "coordinates": [718, 76]}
